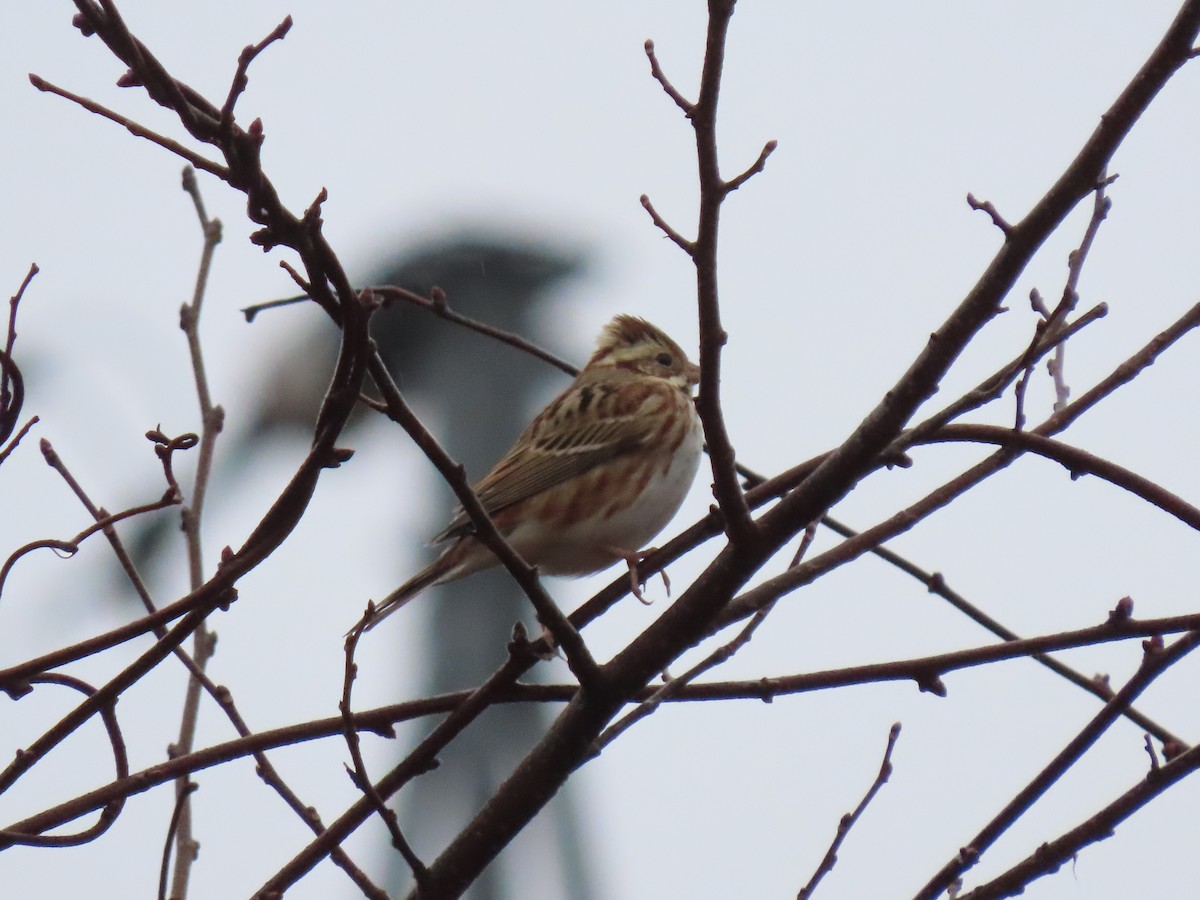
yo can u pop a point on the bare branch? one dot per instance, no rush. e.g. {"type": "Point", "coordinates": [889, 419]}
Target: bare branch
{"type": "Point", "coordinates": [182, 793]}
{"type": "Point", "coordinates": [382, 719]}
{"type": "Point", "coordinates": [656, 71]}
{"type": "Point", "coordinates": [112, 808]}
{"type": "Point", "coordinates": [1155, 661]}
{"type": "Point", "coordinates": [443, 310]}
{"type": "Point", "coordinates": [848, 820]}
{"type": "Point", "coordinates": [758, 165]}
{"type": "Point", "coordinates": [739, 526]}
{"type": "Point", "coordinates": [688, 247]}
{"type": "Point", "coordinates": [794, 578]}
{"type": "Point", "coordinates": [211, 422]}
{"type": "Point", "coordinates": [134, 128]}
{"type": "Point", "coordinates": [1049, 857]}
{"type": "Point", "coordinates": [358, 774]}
{"type": "Point", "coordinates": [1078, 462]}
{"type": "Point", "coordinates": [420, 760]}
{"type": "Point", "coordinates": [935, 582]}
{"type": "Point", "coordinates": [247, 56]}
{"type": "Point", "coordinates": [988, 207]}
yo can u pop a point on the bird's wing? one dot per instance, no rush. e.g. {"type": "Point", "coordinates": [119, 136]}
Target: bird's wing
{"type": "Point", "coordinates": [552, 450]}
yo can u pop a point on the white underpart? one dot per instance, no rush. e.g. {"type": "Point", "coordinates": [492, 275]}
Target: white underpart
{"type": "Point", "coordinates": [596, 543]}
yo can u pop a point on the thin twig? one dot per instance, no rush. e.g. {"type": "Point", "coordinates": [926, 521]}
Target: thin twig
{"type": "Point", "coordinates": [240, 79]}
{"type": "Point", "coordinates": [112, 808]}
{"type": "Point", "coordinates": [11, 393]}
{"type": "Point", "coordinates": [70, 546]}
{"type": "Point", "coordinates": [211, 420]}
{"type": "Point", "coordinates": [1070, 296]}
{"type": "Point", "coordinates": [988, 207]}
{"type": "Point", "coordinates": [1050, 856]}
{"type": "Point", "coordinates": [1156, 660]}
{"type": "Point", "coordinates": [442, 309]}
{"type": "Point", "coordinates": [995, 384]}
{"type": "Point", "coordinates": [382, 720]}
{"type": "Point", "coordinates": [755, 168]}
{"type": "Point", "coordinates": [673, 687]}
{"type": "Point", "coordinates": [1079, 463]}
{"type": "Point", "coordinates": [358, 774]}
{"type": "Point", "coordinates": [935, 583]}
{"type": "Point", "coordinates": [12, 445]}
{"type": "Point", "coordinates": [656, 71]}
{"type": "Point", "coordinates": [134, 128]}
{"type": "Point", "coordinates": [688, 247]}
{"type": "Point", "coordinates": [181, 800]}
{"type": "Point", "coordinates": [847, 821]}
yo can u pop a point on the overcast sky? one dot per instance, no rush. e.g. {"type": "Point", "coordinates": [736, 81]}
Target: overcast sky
{"type": "Point", "coordinates": [836, 263]}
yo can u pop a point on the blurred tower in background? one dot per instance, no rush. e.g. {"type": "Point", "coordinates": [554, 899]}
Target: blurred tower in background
{"type": "Point", "coordinates": [483, 392]}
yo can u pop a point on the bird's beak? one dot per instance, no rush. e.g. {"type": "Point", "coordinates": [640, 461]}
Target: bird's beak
{"type": "Point", "coordinates": [693, 373]}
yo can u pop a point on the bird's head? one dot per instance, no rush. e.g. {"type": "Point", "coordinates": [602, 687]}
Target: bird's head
{"type": "Point", "coordinates": [628, 342]}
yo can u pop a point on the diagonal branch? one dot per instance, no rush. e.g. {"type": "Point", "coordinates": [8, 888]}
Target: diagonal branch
{"type": "Point", "coordinates": [134, 128]}
{"type": "Point", "coordinates": [846, 465]}
{"type": "Point", "coordinates": [1155, 661]}
{"type": "Point", "coordinates": [1050, 856]}
{"type": "Point", "coordinates": [806, 572]}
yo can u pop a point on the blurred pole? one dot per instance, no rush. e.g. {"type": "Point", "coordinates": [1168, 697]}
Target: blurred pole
{"type": "Point", "coordinates": [487, 393]}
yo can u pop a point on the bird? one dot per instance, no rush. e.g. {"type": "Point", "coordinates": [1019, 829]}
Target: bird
{"type": "Point", "coordinates": [596, 474]}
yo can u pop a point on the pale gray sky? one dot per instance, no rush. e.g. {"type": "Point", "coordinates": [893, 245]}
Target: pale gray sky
{"type": "Point", "coordinates": [836, 264]}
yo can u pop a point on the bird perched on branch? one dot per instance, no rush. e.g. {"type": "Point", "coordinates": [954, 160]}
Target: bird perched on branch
{"type": "Point", "coordinates": [595, 475]}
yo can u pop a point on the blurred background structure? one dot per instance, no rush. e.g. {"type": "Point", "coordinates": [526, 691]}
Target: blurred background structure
{"type": "Point", "coordinates": [479, 390]}
{"type": "Point", "coordinates": [483, 389]}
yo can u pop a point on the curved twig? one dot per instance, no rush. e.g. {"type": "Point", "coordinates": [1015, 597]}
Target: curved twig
{"type": "Point", "coordinates": [112, 809]}
{"type": "Point", "coordinates": [70, 546]}
{"type": "Point", "coordinates": [358, 773]}
{"type": "Point", "coordinates": [1078, 462]}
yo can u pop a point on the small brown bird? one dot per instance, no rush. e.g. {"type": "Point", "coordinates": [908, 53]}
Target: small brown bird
{"type": "Point", "coordinates": [597, 473]}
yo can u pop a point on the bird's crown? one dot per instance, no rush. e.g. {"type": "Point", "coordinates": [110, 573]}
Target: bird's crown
{"type": "Point", "coordinates": [630, 342]}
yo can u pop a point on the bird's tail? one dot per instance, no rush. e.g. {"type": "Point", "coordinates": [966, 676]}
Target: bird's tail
{"type": "Point", "coordinates": [430, 575]}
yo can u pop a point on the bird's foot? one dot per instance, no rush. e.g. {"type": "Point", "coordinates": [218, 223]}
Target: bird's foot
{"type": "Point", "coordinates": [633, 559]}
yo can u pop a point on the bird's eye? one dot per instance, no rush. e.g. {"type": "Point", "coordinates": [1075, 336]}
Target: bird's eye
{"type": "Point", "coordinates": [664, 359]}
